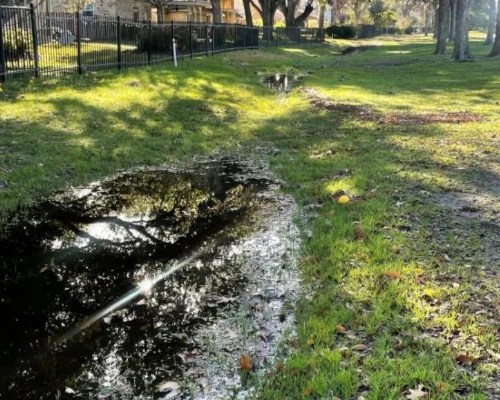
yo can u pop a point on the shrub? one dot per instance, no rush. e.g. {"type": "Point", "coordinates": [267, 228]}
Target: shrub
{"type": "Point", "coordinates": [17, 43]}
{"type": "Point", "coordinates": [341, 31]}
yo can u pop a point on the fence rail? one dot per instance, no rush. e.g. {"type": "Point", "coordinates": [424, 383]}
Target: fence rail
{"type": "Point", "coordinates": [41, 44]}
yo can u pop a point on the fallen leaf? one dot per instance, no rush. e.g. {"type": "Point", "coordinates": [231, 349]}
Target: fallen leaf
{"type": "Point", "coordinates": [420, 280]}
{"type": "Point", "coordinates": [307, 391]}
{"type": "Point", "coordinates": [392, 274]}
{"type": "Point", "coordinates": [464, 359]}
{"type": "Point", "coordinates": [340, 329]}
{"type": "Point", "coordinates": [167, 386]}
{"type": "Point", "coordinates": [417, 393]}
{"type": "Point", "coordinates": [246, 363]}
{"type": "Point", "coordinates": [310, 342]}
{"type": "Point", "coordinates": [441, 386]}
{"type": "Point", "coordinates": [360, 347]}
{"type": "Point", "coordinates": [360, 233]}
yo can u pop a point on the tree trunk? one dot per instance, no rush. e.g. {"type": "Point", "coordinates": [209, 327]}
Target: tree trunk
{"type": "Point", "coordinates": [461, 51]}
{"type": "Point", "coordinates": [321, 20]}
{"type": "Point", "coordinates": [248, 12]}
{"type": "Point", "coordinates": [426, 21]}
{"type": "Point", "coordinates": [453, 20]}
{"type": "Point", "coordinates": [495, 51]}
{"type": "Point", "coordinates": [491, 23]}
{"type": "Point", "coordinates": [436, 18]}
{"type": "Point", "coordinates": [269, 8]}
{"type": "Point", "coordinates": [333, 15]}
{"type": "Point", "coordinates": [442, 26]}
{"type": "Point", "coordinates": [160, 14]}
{"type": "Point", "coordinates": [216, 11]}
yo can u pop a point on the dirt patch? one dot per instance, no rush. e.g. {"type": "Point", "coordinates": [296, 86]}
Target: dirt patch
{"type": "Point", "coordinates": [367, 113]}
{"type": "Point", "coordinates": [322, 103]}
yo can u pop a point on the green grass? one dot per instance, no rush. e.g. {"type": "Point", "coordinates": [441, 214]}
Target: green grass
{"type": "Point", "coordinates": [407, 287]}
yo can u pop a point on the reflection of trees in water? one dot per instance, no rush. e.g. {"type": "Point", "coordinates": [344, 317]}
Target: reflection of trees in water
{"type": "Point", "coordinates": [59, 268]}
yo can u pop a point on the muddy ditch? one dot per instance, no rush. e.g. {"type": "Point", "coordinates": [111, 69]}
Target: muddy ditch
{"type": "Point", "coordinates": [151, 284]}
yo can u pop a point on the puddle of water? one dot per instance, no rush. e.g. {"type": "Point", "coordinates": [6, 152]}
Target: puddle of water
{"type": "Point", "coordinates": [281, 82]}
{"type": "Point", "coordinates": [66, 262]}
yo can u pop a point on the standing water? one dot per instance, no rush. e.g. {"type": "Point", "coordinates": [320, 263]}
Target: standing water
{"type": "Point", "coordinates": [148, 285]}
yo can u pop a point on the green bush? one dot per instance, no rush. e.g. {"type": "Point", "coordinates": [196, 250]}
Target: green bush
{"type": "Point", "coordinates": [341, 31]}
{"type": "Point", "coordinates": [17, 43]}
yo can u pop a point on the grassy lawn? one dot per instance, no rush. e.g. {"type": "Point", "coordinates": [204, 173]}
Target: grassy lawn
{"type": "Point", "coordinates": [404, 279]}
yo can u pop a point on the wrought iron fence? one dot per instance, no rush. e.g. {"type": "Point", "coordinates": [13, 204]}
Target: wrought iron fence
{"type": "Point", "coordinates": [40, 44]}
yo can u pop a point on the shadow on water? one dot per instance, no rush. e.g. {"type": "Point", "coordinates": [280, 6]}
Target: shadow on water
{"type": "Point", "coordinates": [77, 252]}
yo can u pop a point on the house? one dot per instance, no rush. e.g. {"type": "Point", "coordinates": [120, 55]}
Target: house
{"type": "Point", "coordinates": [197, 11]}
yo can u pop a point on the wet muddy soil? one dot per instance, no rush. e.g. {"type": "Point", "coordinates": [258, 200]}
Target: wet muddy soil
{"type": "Point", "coordinates": [147, 285]}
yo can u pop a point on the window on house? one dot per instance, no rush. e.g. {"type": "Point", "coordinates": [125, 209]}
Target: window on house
{"type": "Point", "coordinates": [136, 14]}
{"type": "Point", "coordinates": [88, 10]}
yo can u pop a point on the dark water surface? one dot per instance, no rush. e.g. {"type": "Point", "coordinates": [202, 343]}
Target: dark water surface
{"type": "Point", "coordinates": [281, 82]}
{"type": "Point", "coordinates": [79, 251]}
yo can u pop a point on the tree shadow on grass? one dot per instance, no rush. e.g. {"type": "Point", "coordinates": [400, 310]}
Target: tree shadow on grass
{"type": "Point", "coordinates": [368, 288]}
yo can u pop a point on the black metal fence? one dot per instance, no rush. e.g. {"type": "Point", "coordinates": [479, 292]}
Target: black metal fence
{"type": "Point", "coordinates": [36, 44]}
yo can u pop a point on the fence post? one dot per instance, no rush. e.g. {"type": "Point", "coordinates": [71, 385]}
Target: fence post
{"type": "Point", "coordinates": [225, 29]}
{"type": "Point", "coordinates": [206, 40]}
{"type": "Point", "coordinates": [78, 45]}
{"type": "Point", "coordinates": [35, 40]}
{"type": "Point", "coordinates": [150, 41]}
{"type": "Point", "coordinates": [213, 40]}
{"type": "Point", "coordinates": [3, 64]}
{"type": "Point", "coordinates": [119, 41]}
{"type": "Point", "coordinates": [191, 38]}
{"type": "Point", "coordinates": [244, 38]}
{"type": "Point", "coordinates": [172, 33]}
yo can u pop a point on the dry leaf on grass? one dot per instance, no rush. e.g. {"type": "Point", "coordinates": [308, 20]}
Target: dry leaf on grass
{"type": "Point", "coordinates": [360, 347]}
{"type": "Point", "coordinates": [392, 274]}
{"type": "Point", "coordinates": [340, 329]}
{"type": "Point", "coordinates": [360, 233]}
{"type": "Point", "coordinates": [246, 363]}
{"type": "Point", "coordinates": [417, 393]}
{"type": "Point", "coordinates": [464, 359]}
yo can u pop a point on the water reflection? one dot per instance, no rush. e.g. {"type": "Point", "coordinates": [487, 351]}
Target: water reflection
{"type": "Point", "coordinates": [281, 82]}
{"type": "Point", "coordinates": [75, 254]}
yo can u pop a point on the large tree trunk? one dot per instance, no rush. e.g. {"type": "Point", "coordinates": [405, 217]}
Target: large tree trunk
{"type": "Point", "coordinates": [442, 26]}
{"type": "Point", "coordinates": [269, 8]}
{"type": "Point", "coordinates": [248, 12]}
{"type": "Point", "coordinates": [495, 51]}
{"type": "Point", "coordinates": [453, 20]}
{"type": "Point", "coordinates": [461, 51]}
{"type": "Point", "coordinates": [216, 11]}
{"type": "Point", "coordinates": [491, 23]}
